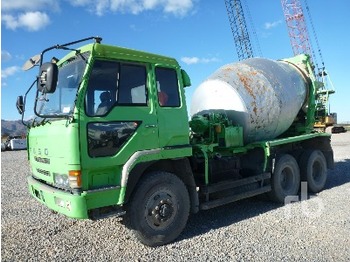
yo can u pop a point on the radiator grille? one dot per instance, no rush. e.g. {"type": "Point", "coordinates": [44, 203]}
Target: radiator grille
{"type": "Point", "coordinates": [43, 172]}
{"type": "Point", "coordinates": [42, 160]}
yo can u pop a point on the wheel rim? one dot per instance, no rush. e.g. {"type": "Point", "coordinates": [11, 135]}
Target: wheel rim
{"type": "Point", "coordinates": [160, 210]}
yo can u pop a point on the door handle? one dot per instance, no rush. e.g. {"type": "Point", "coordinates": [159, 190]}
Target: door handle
{"type": "Point", "coordinates": [150, 126]}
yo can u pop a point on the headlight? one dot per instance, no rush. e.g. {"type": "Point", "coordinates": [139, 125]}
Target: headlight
{"type": "Point", "coordinates": [61, 180]}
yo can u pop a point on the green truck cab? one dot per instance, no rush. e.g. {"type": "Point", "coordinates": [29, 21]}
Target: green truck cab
{"type": "Point", "coordinates": [111, 136]}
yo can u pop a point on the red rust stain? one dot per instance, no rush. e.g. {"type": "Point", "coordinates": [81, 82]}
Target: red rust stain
{"type": "Point", "coordinates": [228, 69]}
{"type": "Point", "coordinates": [246, 83]}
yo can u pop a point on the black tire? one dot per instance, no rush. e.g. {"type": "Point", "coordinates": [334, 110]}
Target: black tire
{"type": "Point", "coordinates": [313, 169]}
{"type": "Point", "coordinates": [285, 179]}
{"type": "Point", "coordinates": [158, 209]}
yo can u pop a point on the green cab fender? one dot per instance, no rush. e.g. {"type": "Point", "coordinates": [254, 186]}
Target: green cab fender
{"type": "Point", "coordinates": [146, 161]}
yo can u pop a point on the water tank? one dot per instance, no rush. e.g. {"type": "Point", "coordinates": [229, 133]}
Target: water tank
{"type": "Point", "coordinates": [262, 95]}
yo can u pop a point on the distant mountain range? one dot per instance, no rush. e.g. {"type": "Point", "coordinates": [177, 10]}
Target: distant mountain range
{"type": "Point", "coordinates": [12, 128]}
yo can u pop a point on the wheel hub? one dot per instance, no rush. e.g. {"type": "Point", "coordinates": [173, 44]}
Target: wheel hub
{"type": "Point", "coordinates": [161, 210]}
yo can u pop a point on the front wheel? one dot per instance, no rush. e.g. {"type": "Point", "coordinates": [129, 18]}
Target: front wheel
{"type": "Point", "coordinates": [158, 209]}
{"type": "Point", "coordinates": [285, 178]}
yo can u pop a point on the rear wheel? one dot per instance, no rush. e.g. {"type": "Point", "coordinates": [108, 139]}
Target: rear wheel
{"type": "Point", "coordinates": [158, 209]}
{"type": "Point", "coordinates": [313, 168]}
{"type": "Point", "coordinates": [285, 179]}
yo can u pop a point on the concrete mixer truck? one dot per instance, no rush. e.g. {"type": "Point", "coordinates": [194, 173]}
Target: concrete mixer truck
{"type": "Point", "coordinates": [112, 136]}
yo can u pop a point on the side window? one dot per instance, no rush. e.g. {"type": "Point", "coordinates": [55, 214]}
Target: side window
{"type": "Point", "coordinates": [102, 88]}
{"type": "Point", "coordinates": [167, 87]}
{"type": "Point", "coordinates": [106, 138]}
{"type": "Point", "coordinates": [132, 85]}
{"type": "Point", "coordinates": [113, 83]}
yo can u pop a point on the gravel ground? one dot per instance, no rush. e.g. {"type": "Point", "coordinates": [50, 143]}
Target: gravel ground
{"type": "Point", "coordinates": [317, 229]}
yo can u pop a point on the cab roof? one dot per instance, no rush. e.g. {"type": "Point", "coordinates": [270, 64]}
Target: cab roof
{"type": "Point", "coordinates": [116, 52]}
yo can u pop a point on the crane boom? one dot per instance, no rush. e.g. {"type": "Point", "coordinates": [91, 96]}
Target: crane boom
{"type": "Point", "coordinates": [297, 29]}
{"type": "Point", "coordinates": [239, 29]}
{"type": "Point", "coordinates": [299, 38]}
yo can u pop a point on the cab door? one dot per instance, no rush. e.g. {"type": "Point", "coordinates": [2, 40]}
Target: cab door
{"type": "Point", "coordinates": [171, 108]}
{"type": "Point", "coordinates": [118, 120]}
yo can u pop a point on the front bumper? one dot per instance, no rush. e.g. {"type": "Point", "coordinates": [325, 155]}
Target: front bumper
{"type": "Point", "coordinates": [73, 206]}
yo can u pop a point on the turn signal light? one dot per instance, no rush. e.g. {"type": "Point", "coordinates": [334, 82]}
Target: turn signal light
{"type": "Point", "coordinates": [74, 178]}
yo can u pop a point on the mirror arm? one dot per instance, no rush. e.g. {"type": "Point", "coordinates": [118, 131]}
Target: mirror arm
{"type": "Point", "coordinates": [36, 100]}
{"type": "Point", "coordinates": [23, 123]}
{"type": "Point", "coordinates": [58, 46]}
{"type": "Point", "coordinates": [24, 100]}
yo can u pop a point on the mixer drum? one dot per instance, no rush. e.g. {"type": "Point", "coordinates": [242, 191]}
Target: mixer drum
{"type": "Point", "coordinates": [261, 95]}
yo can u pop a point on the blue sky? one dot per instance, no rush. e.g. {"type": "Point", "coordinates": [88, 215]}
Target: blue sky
{"type": "Point", "coordinates": [195, 32]}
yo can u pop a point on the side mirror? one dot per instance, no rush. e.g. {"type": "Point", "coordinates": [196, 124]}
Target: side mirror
{"type": "Point", "coordinates": [185, 78]}
{"type": "Point", "coordinates": [20, 105]}
{"type": "Point", "coordinates": [47, 80]}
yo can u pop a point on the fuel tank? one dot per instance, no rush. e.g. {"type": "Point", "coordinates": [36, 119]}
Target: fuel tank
{"type": "Point", "coordinates": [261, 95]}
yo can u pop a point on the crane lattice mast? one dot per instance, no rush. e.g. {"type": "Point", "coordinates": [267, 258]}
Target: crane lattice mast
{"type": "Point", "coordinates": [299, 38]}
{"type": "Point", "coordinates": [239, 29]}
{"type": "Point", "coordinates": [298, 33]}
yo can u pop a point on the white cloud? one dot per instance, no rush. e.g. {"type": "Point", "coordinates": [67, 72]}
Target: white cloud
{"type": "Point", "coordinates": [178, 7]}
{"type": "Point", "coordinates": [10, 21]}
{"type": "Point", "coordinates": [270, 25]}
{"type": "Point", "coordinates": [5, 56]}
{"type": "Point", "coordinates": [27, 14]}
{"type": "Point", "coordinates": [209, 60]}
{"type": "Point", "coordinates": [197, 60]}
{"type": "Point", "coordinates": [175, 7]}
{"type": "Point", "coordinates": [32, 15]}
{"type": "Point", "coordinates": [32, 5]}
{"type": "Point", "coordinates": [32, 21]}
{"type": "Point", "coordinates": [190, 60]}
{"type": "Point", "coordinates": [79, 2]}
{"type": "Point", "coordinates": [100, 7]}
{"type": "Point", "coordinates": [150, 4]}
{"type": "Point", "coordinates": [9, 71]}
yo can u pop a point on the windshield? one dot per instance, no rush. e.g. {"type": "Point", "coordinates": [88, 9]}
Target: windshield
{"type": "Point", "coordinates": [62, 101]}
